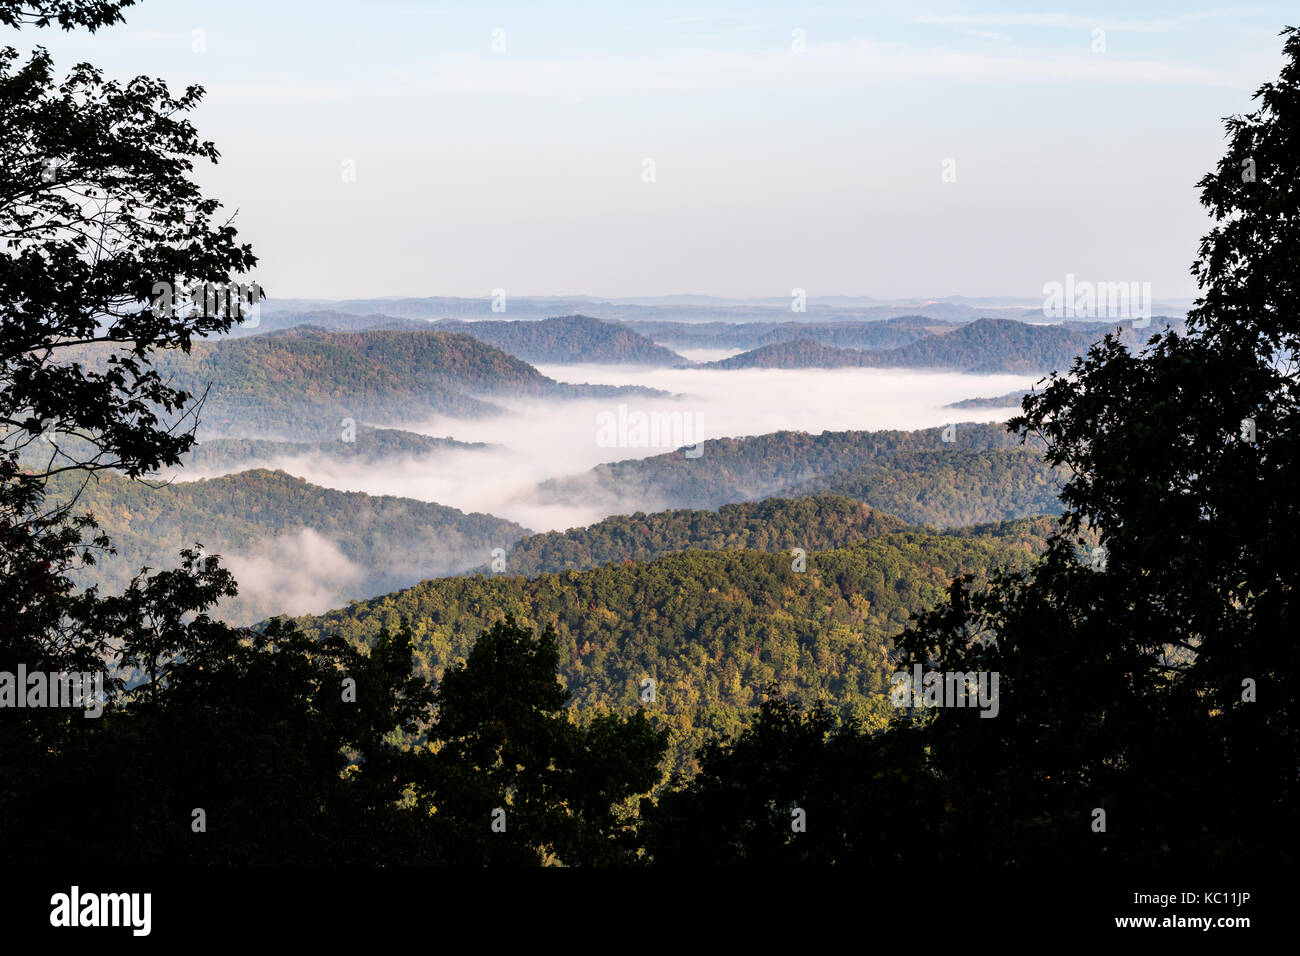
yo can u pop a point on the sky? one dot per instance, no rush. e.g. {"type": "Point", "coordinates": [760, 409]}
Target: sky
{"type": "Point", "coordinates": [909, 149]}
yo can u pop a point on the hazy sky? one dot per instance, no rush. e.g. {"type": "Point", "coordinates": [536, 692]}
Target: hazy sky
{"type": "Point", "coordinates": [774, 168]}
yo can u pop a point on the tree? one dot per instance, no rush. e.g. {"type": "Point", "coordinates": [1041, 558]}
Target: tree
{"type": "Point", "coordinates": [219, 744]}
{"type": "Point", "coordinates": [94, 189]}
{"type": "Point", "coordinates": [506, 742]}
{"type": "Point", "coordinates": [801, 787]}
{"type": "Point", "coordinates": [1152, 678]}
{"type": "Point", "coordinates": [104, 234]}
{"type": "Point", "coordinates": [98, 212]}
{"type": "Point", "coordinates": [99, 219]}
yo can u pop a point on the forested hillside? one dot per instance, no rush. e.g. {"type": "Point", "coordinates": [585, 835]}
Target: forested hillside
{"type": "Point", "coordinates": [993, 345]}
{"type": "Point", "coordinates": [300, 384]}
{"type": "Point", "coordinates": [801, 353]}
{"type": "Point", "coordinates": [567, 339]}
{"type": "Point", "coordinates": [862, 334]}
{"type": "Point", "coordinates": [774, 525]}
{"type": "Point", "coordinates": [1009, 400]}
{"type": "Point", "coordinates": [369, 446]}
{"type": "Point", "coordinates": [949, 488]}
{"type": "Point", "coordinates": [287, 540]}
{"type": "Point", "coordinates": [982, 346]}
{"type": "Point", "coordinates": [713, 629]}
{"type": "Point", "coordinates": [915, 474]}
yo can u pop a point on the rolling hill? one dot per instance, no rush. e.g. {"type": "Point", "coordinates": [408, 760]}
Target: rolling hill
{"type": "Point", "coordinates": [1010, 399]}
{"type": "Point", "coordinates": [915, 475]}
{"type": "Point", "coordinates": [713, 629]}
{"type": "Point", "coordinates": [801, 353]}
{"type": "Point", "coordinates": [329, 319]}
{"type": "Point", "coordinates": [568, 339]}
{"type": "Point", "coordinates": [300, 384]}
{"type": "Point", "coordinates": [862, 334]}
{"type": "Point", "coordinates": [774, 525]}
{"type": "Point", "coordinates": [371, 446]}
{"type": "Point", "coordinates": [982, 346]}
{"type": "Point", "coordinates": [287, 541]}
{"type": "Point", "coordinates": [948, 488]}
{"type": "Point", "coordinates": [992, 345]}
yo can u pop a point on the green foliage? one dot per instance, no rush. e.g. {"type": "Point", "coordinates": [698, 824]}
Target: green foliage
{"type": "Point", "coordinates": [505, 743]}
{"type": "Point", "coordinates": [805, 788]}
{"type": "Point", "coordinates": [99, 205]}
{"type": "Point", "coordinates": [372, 446]}
{"type": "Point", "coordinates": [775, 525]}
{"type": "Point", "coordinates": [568, 339]}
{"type": "Point", "coordinates": [390, 542]}
{"type": "Point", "coordinates": [914, 474]}
{"type": "Point", "coordinates": [1158, 684]}
{"type": "Point", "coordinates": [1155, 684]}
{"type": "Point", "coordinates": [298, 751]}
{"type": "Point", "coordinates": [91, 14]}
{"type": "Point", "coordinates": [951, 488]}
{"type": "Point", "coordinates": [712, 629]}
{"type": "Point", "coordinates": [219, 745]}
{"type": "Point", "coordinates": [69, 277]}
{"type": "Point", "coordinates": [1030, 535]}
{"type": "Point", "coordinates": [985, 345]}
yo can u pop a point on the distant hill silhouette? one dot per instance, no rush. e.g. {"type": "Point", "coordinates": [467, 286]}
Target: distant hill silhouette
{"type": "Point", "coordinates": [986, 345]}
{"type": "Point", "coordinates": [996, 401]}
{"type": "Point", "coordinates": [568, 339]}
{"type": "Point", "coordinates": [370, 446]}
{"type": "Point", "coordinates": [858, 334]}
{"type": "Point", "coordinates": [330, 319]}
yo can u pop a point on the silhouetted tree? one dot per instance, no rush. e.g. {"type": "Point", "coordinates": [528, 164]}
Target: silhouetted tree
{"type": "Point", "coordinates": [801, 787]}
{"type": "Point", "coordinates": [216, 745]}
{"type": "Point", "coordinates": [1153, 678]}
{"type": "Point", "coordinates": [1146, 700]}
{"type": "Point", "coordinates": [507, 744]}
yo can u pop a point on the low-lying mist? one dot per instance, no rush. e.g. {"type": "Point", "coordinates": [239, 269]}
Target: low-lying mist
{"type": "Point", "coordinates": [548, 439]}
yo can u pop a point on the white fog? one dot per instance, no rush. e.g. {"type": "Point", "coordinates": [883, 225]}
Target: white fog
{"type": "Point", "coordinates": [549, 439]}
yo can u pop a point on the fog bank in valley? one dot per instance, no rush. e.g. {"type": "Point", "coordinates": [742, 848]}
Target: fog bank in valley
{"type": "Point", "coordinates": [548, 439]}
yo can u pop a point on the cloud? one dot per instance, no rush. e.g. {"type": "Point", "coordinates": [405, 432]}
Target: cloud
{"type": "Point", "coordinates": [1154, 25]}
{"type": "Point", "coordinates": [705, 18]}
{"type": "Point", "coordinates": [286, 92]}
{"type": "Point", "coordinates": [161, 36]}
{"type": "Point", "coordinates": [986, 34]}
{"type": "Point", "coordinates": [832, 66]}
{"type": "Point", "coordinates": [305, 573]}
{"type": "Point", "coordinates": [541, 440]}
{"type": "Point", "coordinates": [829, 66]}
